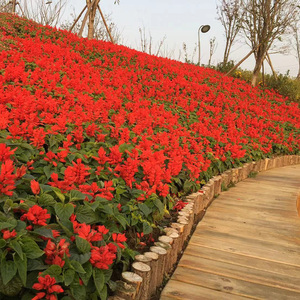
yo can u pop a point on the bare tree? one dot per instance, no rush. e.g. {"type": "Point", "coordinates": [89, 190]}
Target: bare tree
{"type": "Point", "coordinates": [11, 6]}
{"type": "Point", "coordinates": [91, 8]}
{"type": "Point", "coordinates": [147, 43]}
{"type": "Point", "coordinates": [230, 13]}
{"type": "Point", "coordinates": [5, 6]}
{"type": "Point", "coordinates": [43, 12]}
{"type": "Point", "coordinates": [212, 49]}
{"type": "Point", "coordinates": [295, 27]}
{"type": "Point", "coordinates": [264, 22]}
{"type": "Point", "coordinates": [100, 32]}
{"type": "Point", "coordinates": [186, 56]}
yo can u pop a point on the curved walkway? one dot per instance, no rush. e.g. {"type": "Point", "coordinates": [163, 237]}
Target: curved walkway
{"type": "Point", "coordinates": [247, 245]}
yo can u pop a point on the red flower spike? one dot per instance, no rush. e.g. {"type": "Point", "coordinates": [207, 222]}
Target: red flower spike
{"type": "Point", "coordinates": [119, 238]}
{"type": "Point", "coordinates": [8, 234]}
{"type": "Point", "coordinates": [36, 215]}
{"type": "Point", "coordinates": [35, 187]}
{"type": "Point", "coordinates": [48, 284]}
{"type": "Point", "coordinates": [102, 257]}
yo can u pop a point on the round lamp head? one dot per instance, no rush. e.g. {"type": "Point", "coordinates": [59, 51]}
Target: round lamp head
{"type": "Point", "coordinates": [205, 28]}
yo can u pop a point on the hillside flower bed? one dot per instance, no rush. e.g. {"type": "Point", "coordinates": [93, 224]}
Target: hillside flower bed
{"type": "Point", "coordinates": [97, 143]}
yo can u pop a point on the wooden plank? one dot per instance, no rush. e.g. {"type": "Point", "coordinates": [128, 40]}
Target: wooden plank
{"type": "Point", "coordinates": [281, 202]}
{"type": "Point", "coordinates": [247, 246]}
{"type": "Point", "coordinates": [298, 204]}
{"type": "Point", "coordinates": [276, 235]}
{"type": "Point", "coordinates": [181, 290]}
{"type": "Point", "coordinates": [232, 285]}
{"type": "Point", "coordinates": [253, 220]}
{"type": "Point", "coordinates": [285, 185]}
{"type": "Point", "coordinates": [239, 272]}
{"type": "Point", "coordinates": [270, 212]}
{"type": "Point", "coordinates": [244, 261]}
{"type": "Point", "coordinates": [220, 209]}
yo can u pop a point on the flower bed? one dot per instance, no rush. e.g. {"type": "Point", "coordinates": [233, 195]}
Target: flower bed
{"type": "Point", "coordinates": [97, 143]}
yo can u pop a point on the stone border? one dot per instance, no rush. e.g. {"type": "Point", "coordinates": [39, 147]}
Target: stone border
{"type": "Point", "coordinates": [149, 269]}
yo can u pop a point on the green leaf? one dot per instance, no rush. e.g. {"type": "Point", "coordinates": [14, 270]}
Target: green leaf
{"type": "Point", "coordinates": [47, 171]}
{"type": "Point", "coordinates": [103, 293]}
{"type": "Point", "coordinates": [67, 226]}
{"type": "Point", "coordinates": [20, 225]}
{"type": "Point", "coordinates": [45, 232]}
{"type": "Point", "coordinates": [2, 243]}
{"type": "Point", "coordinates": [27, 296]}
{"type": "Point", "coordinates": [64, 211]}
{"type": "Point", "coordinates": [122, 220]}
{"type": "Point", "coordinates": [78, 291]}
{"type": "Point", "coordinates": [8, 270]}
{"type": "Point", "coordinates": [147, 228]}
{"type": "Point", "coordinates": [99, 279]}
{"type": "Point", "coordinates": [35, 265]}
{"type": "Point", "coordinates": [108, 210]}
{"type": "Point", "coordinates": [11, 289]}
{"type": "Point", "coordinates": [145, 209]}
{"type": "Point", "coordinates": [46, 200]}
{"type": "Point", "coordinates": [82, 245]}
{"type": "Point", "coordinates": [31, 249]}
{"type": "Point", "coordinates": [6, 225]}
{"type": "Point", "coordinates": [53, 270]}
{"type": "Point", "coordinates": [159, 205]}
{"type": "Point", "coordinates": [17, 247]}
{"type": "Point", "coordinates": [8, 205]}
{"type": "Point", "coordinates": [22, 267]}
{"type": "Point", "coordinates": [77, 266]}
{"type": "Point", "coordinates": [59, 194]}
{"type": "Point", "coordinates": [88, 273]}
{"type": "Point", "coordinates": [85, 214]}
{"type": "Point", "coordinates": [187, 186]}
{"type": "Point", "coordinates": [68, 276]}
{"type": "Point", "coordinates": [46, 188]}
{"type": "Point", "coordinates": [76, 195]}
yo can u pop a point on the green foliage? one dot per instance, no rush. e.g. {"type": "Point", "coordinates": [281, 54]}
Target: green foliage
{"type": "Point", "coordinates": [283, 83]}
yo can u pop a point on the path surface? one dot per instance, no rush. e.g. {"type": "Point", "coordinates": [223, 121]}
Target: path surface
{"type": "Point", "coordinates": [247, 245]}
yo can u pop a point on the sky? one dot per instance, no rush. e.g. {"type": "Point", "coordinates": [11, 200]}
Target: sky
{"type": "Point", "coordinates": [178, 21]}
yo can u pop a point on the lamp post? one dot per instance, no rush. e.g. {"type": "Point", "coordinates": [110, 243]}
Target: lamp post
{"type": "Point", "coordinates": [203, 29]}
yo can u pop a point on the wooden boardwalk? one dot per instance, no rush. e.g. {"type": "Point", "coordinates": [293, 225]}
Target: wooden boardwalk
{"type": "Point", "coordinates": [247, 245]}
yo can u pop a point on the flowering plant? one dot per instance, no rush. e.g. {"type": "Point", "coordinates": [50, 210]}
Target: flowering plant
{"type": "Point", "coordinates": [96, 143]}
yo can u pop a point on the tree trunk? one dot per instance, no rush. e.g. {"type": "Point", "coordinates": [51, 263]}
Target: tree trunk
{"type": "Point", "coordinates": [92, 13]}
{"type": "Point", "coordinates": [259, 58]}
{"type": "Point", "coordinates": [226, 54]}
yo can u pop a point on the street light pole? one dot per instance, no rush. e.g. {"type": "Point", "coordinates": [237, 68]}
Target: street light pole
{"type": "Point", "coordinates": [203, 29]}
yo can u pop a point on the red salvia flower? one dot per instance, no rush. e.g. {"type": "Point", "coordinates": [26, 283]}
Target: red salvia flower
{"type": "Point", "coordinates": [7, 178]}
{"type": "Point", "coordinates": [102, 257]}
{"type": "Point", "coordinates": [5, 152]}
{"type": "Point", "coordinates": [8, 234]}
{"type": "Point", "coordinates": [48, 284]}
{"type": "Point", "coordinates": [77, 173]}
{"type": "Point", "coordinates": [36, 215]}
{"type": "Point", "coordinates": [35, 187]}
{"type": "Point", "coordinates": [55, 253]}
{"type": "Point", "coordinates": [119, 238]}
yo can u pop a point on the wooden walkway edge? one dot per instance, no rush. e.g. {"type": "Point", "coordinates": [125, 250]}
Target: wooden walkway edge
{"type": "Point", "coordinates": [248, 244]}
